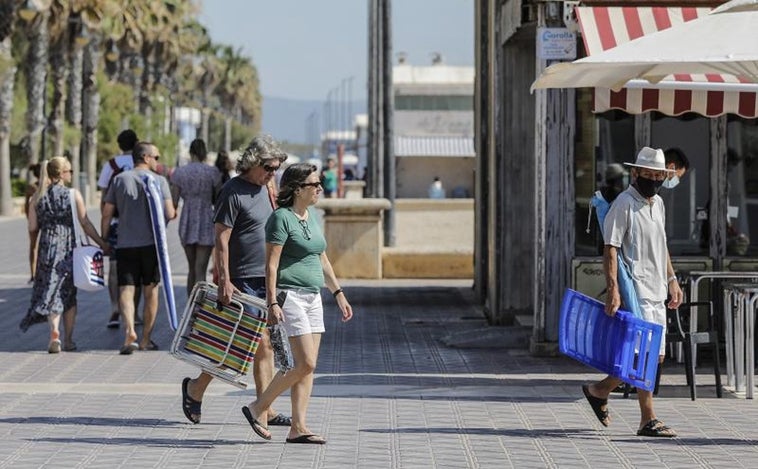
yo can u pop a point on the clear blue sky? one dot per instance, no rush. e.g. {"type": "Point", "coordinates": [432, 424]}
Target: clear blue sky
{"type": "Point", "coordinates": [304, 48]}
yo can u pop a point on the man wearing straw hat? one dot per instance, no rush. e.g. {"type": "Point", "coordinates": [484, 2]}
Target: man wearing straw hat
{"type": "Point", "coordinates": [635, 225]}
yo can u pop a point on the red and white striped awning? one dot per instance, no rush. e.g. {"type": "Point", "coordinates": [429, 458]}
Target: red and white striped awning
{"type": "Point", "coordinates": [604, 28]}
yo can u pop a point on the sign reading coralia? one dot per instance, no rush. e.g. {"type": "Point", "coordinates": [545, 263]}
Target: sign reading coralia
{"type": "Point", "coordinates": [556, 44]}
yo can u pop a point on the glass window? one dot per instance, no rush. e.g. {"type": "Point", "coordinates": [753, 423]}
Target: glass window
{"type": "Point", "coordinates": [601, 139]}
{"type": "Point", "coordinates": [434, 103]}
{"type": "Point", "coordinates": [687, 203]}
{"type": "Point", "coordinates": [742, 187]}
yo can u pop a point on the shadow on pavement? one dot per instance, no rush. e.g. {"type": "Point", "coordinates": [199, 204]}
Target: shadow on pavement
{"type": "Point", "coordinates": [148, 442]}
{"type": "Point", "coordinates": [517, 432]}
{"type": "Point", "coordinates": [90, 332]}
{"type": "Point", "coordinates": [564, 433]}
{"type": "Point", "coordinates": [93, 421]}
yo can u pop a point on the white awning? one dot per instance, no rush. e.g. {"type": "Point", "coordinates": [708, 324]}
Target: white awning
{"type": "Point", "coordinates": [605, 28]}
{"type": "Point", "coordinates": [433, 146]}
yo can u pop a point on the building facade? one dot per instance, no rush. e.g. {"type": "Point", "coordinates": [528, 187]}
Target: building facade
{"type": "Point", "coordinates": [434, 128]}
{"type": "Point", "coordinates": [542, 155]}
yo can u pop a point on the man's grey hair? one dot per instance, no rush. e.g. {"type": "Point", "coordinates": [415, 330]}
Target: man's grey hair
{"type": "Point", "coordinates": [259, 151]}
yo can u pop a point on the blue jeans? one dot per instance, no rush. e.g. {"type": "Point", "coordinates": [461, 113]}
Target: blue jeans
{"type": "Point", "coordinates": [256, 286]}
{"type": "Point", "coordinates": [253, 286]}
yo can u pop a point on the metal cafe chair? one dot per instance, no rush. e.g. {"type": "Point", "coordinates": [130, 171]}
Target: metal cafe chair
{"type": "Point", "coordinates": [678, 331]}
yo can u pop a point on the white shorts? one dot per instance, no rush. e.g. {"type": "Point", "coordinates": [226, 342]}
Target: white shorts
{"type": "Point", "coordinates": [303, 312]}
{"type": "Point", "coordinates": [655, 312]}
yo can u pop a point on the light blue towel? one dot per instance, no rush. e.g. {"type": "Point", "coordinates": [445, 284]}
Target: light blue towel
{"type": "Point", "coordinates": [629, 300]}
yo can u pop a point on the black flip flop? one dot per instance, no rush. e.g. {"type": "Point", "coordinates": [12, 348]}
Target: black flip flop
{"type": "Point", "coordinates": [280, 420]}
{"type": "Point", "coordinates": [190, 406]}
{"type": "Point", "coordinates": [257, 427]}
{"type": "Point", "coordinates": [596, 403]}
{"type": "Point", "coordinates": [128, 349]}
{"type": "Point", "coordinates": [308, 439]}
{"type": "Point", "coordinates": [152, 346]}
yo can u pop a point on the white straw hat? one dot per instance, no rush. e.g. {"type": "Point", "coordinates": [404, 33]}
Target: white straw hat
{"type": "Point", "coordinates": [651, 158]}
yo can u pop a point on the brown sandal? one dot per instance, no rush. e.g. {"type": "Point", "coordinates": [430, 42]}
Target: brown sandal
{"type": "Point", "coordinates": [656, 428]}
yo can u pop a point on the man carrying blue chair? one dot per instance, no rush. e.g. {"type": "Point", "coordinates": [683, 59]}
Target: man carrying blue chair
{"type": "Point", "coordinates": [635, 239]}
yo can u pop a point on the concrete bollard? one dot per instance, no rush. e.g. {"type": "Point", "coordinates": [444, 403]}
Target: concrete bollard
{"type": "Point", "coordinates": [354, 235]}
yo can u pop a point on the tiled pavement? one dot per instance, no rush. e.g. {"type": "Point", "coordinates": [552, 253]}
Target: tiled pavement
{"type": "Point", "coordinates": [387, 394]}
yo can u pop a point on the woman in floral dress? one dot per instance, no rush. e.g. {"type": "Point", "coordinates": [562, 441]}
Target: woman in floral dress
{"type": "Point", "coordinates": [196, 183]}
{"type": "Point", "coordinates": [50, 218]}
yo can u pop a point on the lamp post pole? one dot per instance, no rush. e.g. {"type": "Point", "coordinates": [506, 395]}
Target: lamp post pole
{"type": "Point", "coordinates": [388, 109]}
{"type": "Point", "coordinates": [375, 186]}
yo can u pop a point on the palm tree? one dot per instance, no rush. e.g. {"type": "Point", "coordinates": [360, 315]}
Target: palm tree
{"type": "Point", "coordinates": [60, 65]}
{"type": "Point", "coordinates": [229, 81]}
{"type": "Point", "coordinates": [69, 23]}
{"type": "Point", "coordinates": [210, 74]}
{"type": "Point", "coordinates": [7, 79]}
{"type": "Point", "coordinates": [35, 69]}
{"type": "Point", "coordinates": [74, 108]}
{"type": "Point", "coordinates": [91, 113]}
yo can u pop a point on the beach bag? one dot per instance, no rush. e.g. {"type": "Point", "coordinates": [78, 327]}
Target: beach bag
{"type": "Point", "coordinates": [87, 259]}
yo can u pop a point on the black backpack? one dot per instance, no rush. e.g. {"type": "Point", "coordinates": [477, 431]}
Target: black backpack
{"type": "Point", "coordinates": [116, 171]}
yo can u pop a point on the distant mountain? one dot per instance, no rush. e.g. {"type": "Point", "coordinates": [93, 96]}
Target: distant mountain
{"type": "Point", "coordinates": [287, 119]}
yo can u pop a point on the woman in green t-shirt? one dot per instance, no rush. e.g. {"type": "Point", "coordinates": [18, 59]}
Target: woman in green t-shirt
{"type": "Point", "coordinates": [296, 269]}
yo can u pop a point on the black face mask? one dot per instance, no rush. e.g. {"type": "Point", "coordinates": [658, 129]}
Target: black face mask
{"type": "Point", "coordinates": [647, 187]}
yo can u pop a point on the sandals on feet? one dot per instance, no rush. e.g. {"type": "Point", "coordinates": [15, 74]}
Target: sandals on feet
{"type": "Point", "coordinates": [280, 420]}
{"type": "Point", "coordinates": [308, 439]}
{"type": "Point", "coordinates": [54, 347]}
{"type": "Point", "coordinates": [597, 403]}
{"type": "Point", "coordinates": [190, 407]}
{"type": "Point", "coordinates": [656, 428]}
{"type": "Point", "coordinates": [151, 346]}
{"type": "Point", "coordinates": [128, 349]}
{"type": "Point", "coordinates": [257, 427]}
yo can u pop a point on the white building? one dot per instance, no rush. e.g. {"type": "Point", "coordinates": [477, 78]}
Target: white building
{"type": "Point", "coordinates": [434, 128]}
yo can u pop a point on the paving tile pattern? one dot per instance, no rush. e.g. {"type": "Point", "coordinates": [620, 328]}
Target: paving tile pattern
{"type": "Point", "coordinates": [388, 394]}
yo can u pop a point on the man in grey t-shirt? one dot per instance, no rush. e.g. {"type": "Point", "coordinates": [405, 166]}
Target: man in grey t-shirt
{"type": "Point", "coordinates": [242, 209]}
{"type": "Point", "coordinates": [127, 139]}
{"type": "Point", "coordinates": [135, 252]}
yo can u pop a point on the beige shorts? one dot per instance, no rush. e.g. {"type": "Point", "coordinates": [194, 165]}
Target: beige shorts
{"type": "Point", "coordinates": [655, 312]}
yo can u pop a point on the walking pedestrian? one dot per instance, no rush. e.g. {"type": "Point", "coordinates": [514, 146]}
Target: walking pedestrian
{"type": "Point", "coordinates": [635, 225]}
{"type": "Point", "coordinates": [296, 269]}
{"type": "Point", "coordinates": [51, 220]}
{"type": "Point", "coordinates": [196, 183]}
{"type": "Point", "coordinates": [675, 160]}
{"type": "Point", "coordinates": [112, 168]}
{"type": "Point", "coordinates": [330, 178]}
{"type": "Point", "coordinates": [242, 209]}
{"type": "Point", "coordinates": [224, 165]}
{"type": "Point", "coordinates": [31, 189]}
{"type": "Point", "coordinates": [135, 254]}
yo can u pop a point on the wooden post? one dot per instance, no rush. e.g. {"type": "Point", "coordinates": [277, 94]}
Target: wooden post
{"type": "Point", "coordinates": [484, 141]}
{"type": "Point", "coordinates": [540, 150]}
{"type": "Point", "coordinates": [717, 209]}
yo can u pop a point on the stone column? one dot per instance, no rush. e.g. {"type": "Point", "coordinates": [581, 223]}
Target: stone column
{"type": "Point", "coordinates": [354, 235]}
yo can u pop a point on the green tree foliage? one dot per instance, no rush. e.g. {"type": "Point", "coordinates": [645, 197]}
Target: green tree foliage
{"type": "Point", "coordinates": [152, 55]}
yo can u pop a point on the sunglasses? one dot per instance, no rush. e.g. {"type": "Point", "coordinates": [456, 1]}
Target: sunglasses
{"type": "Point", "coordinates": [270, 169]}
{"type": "Point", "coordinates": [310, 184]}
{"type": "Point", "coordinates": [306, 229]}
